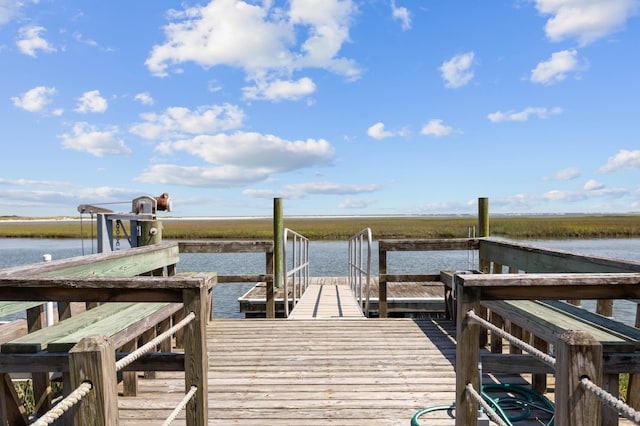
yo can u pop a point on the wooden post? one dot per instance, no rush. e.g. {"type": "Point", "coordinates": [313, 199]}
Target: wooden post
{"type": "Point", "coordinates": [150, 232]}
{"type": "Point", "coordinates": [40, 381]}
{"type": "Point", "coordinates": [278, 255]}
{"type": "Point", "coordinates": [633, 391]}
{"type": "Point", "coordinates": [539, 380]}
{"type": "Point", "coordinates": [483, 217]}
{"type": "Point", "coordinates": [467, 355]}
{"type": "Point", "coordinates": [196, 360]}
{"type": "Point", "coordinates": [485, 264]}
{"type": "Point", "coordinates": [93, 360]}
{"type": "Point", "coordinates": [382, 283]}
{"type": "Point", "coordinates": [578, 355]}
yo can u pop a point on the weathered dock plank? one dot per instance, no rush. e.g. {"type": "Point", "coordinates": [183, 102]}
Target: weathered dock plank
{"type": "Point", "coordinates": [278, 372]}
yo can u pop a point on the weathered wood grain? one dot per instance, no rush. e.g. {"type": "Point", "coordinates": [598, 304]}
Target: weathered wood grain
{"type": "Point", "coordinates": [320, 372]}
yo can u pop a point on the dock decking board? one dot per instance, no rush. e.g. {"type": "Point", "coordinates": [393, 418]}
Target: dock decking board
{"type": "Point", "coordinates": [280, 372]}
{"type": "Point", "coordinates": [327, 300]}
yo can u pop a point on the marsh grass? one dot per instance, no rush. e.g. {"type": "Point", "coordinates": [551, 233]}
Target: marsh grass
{"type": "Point", "coordinates": [327, 228]}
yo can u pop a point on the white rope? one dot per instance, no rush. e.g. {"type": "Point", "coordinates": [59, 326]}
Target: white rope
{"type": "Point", "coordinates": [623, 409]}
{"type": "Point", "coordinates": [63, 406]}
{"type": "Point", "coordinates": [487, 408]}
{"type": "Point", "coordinates": [153, 343]}
{"type": "Point", "coordinates": [547, 359]}
{"type": "Point", "coordinates": [180, 406]}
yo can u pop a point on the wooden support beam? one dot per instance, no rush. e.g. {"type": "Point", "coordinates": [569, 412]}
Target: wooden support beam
{"type": "Point", "coordinates": [93, 360]}
{"type": "Point", "coordinates": [578, 355]}
{"type": "Point", "coordinates": [467, 356]}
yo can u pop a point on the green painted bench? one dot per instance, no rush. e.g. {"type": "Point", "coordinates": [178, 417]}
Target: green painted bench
{"type": "Point", "coordinates": [11, 308]}
{"type": "Point", "coordinates": [122, 322]}
{"type": "Point", "coordinates": [548, 319]}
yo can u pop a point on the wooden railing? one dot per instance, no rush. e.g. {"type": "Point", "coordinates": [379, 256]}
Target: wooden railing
{"type": "Point", "coordinates": [113, 277]}
{"type": "Point", "coordinates": [471, 289]}
{"type": "Point", "coordinates": [386, 246]}
{"type": "Point", "coordinates": [265, 247]}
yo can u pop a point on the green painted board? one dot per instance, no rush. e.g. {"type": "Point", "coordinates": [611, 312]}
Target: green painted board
{"type": "Point", "coordinates": [38, 340]}
{"type": "Point", "coordinates": [108, 326]}
{"type": "Point", "coordinates": [10, 308]}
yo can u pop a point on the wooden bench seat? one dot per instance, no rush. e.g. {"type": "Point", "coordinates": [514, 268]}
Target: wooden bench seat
{"type": "Point", "coordinates": [11, 308]}
{"type": "Point", "coordinates": [549, 319]}
{"type": "Point", "coordinates": [120, 321]}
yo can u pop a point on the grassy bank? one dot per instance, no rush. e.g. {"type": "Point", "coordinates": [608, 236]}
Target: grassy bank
{"type": "Point", "coordinates": [342, 228]}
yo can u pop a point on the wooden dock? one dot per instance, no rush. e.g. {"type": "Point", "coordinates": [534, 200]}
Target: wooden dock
{"type": "Point", "coordinates": [314, 372]}
{"type": "Point", "coordinates": [327, 299]}
{"type": "Point", "coordinates": [410, 298]}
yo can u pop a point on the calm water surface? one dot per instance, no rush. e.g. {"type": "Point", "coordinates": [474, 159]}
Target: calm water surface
{"type": "Point", "coordinates": [327, 258]}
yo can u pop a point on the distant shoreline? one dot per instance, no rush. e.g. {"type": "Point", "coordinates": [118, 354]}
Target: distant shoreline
{"type": "Point", "coordinates": [343, 227]}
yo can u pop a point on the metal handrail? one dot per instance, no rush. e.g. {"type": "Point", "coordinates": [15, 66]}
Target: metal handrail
{"type": "Point", "coordinates": [357, 268]}
{"type": "Point", "coordinates": [299, 272]}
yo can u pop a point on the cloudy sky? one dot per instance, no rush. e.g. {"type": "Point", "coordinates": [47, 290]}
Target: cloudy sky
{"type": "Point", "coordinates": [340, 107]}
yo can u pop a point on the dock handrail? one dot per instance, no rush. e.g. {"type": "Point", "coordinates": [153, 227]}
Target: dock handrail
{"type": "Point", "coordinates": [299, 272]}
{"type": "Point", "coordinates": [359, 268]}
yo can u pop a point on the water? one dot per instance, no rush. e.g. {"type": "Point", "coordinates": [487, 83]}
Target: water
{"type": "Point", "coordinates": [327, 258]}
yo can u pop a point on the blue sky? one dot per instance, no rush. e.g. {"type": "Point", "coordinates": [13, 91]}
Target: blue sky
{"type": "Point", "coordinates": [339, 107]}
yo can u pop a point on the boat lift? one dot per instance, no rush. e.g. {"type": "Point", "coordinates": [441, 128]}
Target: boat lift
{"type": "Point", "coordinates": [144, 227]}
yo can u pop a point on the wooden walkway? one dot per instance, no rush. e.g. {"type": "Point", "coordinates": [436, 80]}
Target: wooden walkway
{"type": "Point", "coordinates": [411, 297]}
{"type": "Point", "coordinates": [314, 372]}
{"type": "Point", "coordinates": [327, 298]}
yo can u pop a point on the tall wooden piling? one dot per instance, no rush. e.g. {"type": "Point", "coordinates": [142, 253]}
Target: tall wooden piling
{"type": "Point", "coordinates": [278, 256]}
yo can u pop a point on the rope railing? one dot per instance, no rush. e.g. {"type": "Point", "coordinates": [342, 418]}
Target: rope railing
{"type": "Point", "coordinates": [63, 406]}
{"type": "Point", "coordinates": [487, 408]}
{"type": "Point", "coordinates": [74, 397]}
{"type": "Point", "coordinates": [549, 360]}
{"type": "Point", "coordinates": [623, 409]}
{"type": "Point", "coordinates": [133, 356]}
{"type": "Point", "coordinates": [180, 406]}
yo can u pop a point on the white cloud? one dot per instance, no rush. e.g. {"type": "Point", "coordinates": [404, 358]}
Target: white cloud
{"type": "Point", "coordinates": [584, 20]}
{"type": "Point", "coordinates": [377, 131]}
{"type": "Point", "coordinates": [456, 72]}
{"type": "Point", "coordinates": [436, 128]}
{"type": "Point", "coordinates": [30, 42]}
{"type": "Point", "coordinates": [176, 122]}
{"type": "Point", "coordinates": [91, 102]}
{"type": "Point", "coordinates": [9, 9]}
{"type": "Point", "coordinates": [87, 138]}
{"type": "Point", "coordinates": [566, 174]}
{"type": "Point", "coordinates": [556, 68]}
{"type": "Point", "coordinates": [523, 115]}
{"type": "Point", "coordinates": [259, 38]}
{"type": "Point", "coordinates": [356, 203]}
{"type": "Point", "coordinates": [257, 151]}
{"type": "Point", "coordinates": [35, 99]}
{"type": "Point", "coordinates": [194, 176]}
{"type": "Point", "coordinates": [301, 190]}
{"type": "Point", "coordinates": [331, 188]}
{"type": "Point", "coordinates": [623, 159]}
{"type": "Point", "coordinates": [276, 90]}
{"type": "Point", "coordinates": [144, 98]}
{"type": "Point", "coordinates": [30, 182]}
{"type": "Point", "coordinates": [402, 14]}
{"type": "Point", "coordinates": [593, 185]}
